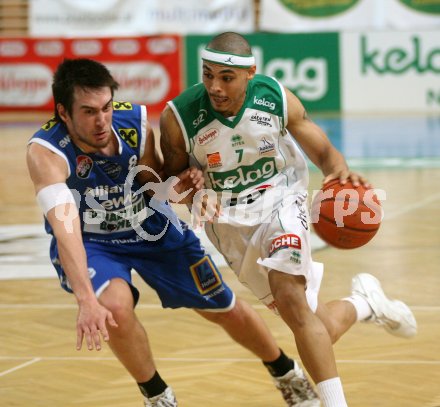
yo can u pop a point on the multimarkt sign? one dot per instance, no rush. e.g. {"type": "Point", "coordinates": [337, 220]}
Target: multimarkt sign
{"type": "Point", "coordinates": [307, 64]}
{"type": "Point", "coordinates": [391, 71]}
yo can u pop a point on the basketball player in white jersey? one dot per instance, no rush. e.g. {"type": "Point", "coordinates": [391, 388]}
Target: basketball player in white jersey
{"type": "Point", "coordinates": [244, 131]}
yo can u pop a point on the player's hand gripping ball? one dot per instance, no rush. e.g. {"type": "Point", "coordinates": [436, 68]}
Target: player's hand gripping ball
{"type": "Point", "coordinates": [345, 216]}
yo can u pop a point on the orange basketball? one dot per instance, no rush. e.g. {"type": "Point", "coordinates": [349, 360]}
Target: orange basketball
{"type": "Point", "coordinates": [345, 216]}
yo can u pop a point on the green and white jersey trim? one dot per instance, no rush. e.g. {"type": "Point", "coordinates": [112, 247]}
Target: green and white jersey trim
{"type": "Point", "coordinates": [252, 154]}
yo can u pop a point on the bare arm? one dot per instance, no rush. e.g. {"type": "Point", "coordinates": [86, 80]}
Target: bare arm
{"type": "Point", "coordinates": [150, 159]}
{"type": "Point", "coordinates": [172, 144]}
{"type": "Point", "coordinates": [189, 179]}
{"type": "Point", "coordinates": [316, 144]}
{"type": "Point", "coordinates": [47, 168]}
{"type": "Point", "coordinates": [176, 160]}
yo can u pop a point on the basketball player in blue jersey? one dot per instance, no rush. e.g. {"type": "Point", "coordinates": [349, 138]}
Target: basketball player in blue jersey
{"type": "Point", "coordinates": [243, 130]}
{"type": "Point", "coordinates": [82, 163]}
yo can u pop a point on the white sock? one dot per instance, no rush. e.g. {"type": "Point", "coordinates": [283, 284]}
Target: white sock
{"type": "Point", "coordinates": [331, 393]}
{"type": "Point", "coordinates": [363, 309]}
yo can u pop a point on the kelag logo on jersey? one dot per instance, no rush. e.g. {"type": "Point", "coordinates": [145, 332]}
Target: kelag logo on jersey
{"type": "Point", "coordinates": [243, 177]}
{"type": "Point", "coordinates": [264, 102]}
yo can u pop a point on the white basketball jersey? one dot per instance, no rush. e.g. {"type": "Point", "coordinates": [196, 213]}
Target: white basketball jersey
{"type": "Point", "coordinates": [251, 162]}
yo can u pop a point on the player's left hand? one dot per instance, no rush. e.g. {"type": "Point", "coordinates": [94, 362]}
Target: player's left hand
{"type": "Point", "coordinates": [347, 175]}
{"type": "Point", "coordinates": [191, 180]}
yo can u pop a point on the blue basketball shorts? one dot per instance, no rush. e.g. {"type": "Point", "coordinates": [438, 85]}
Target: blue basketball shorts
{"type": "Point", "coordinates": [184, 276]}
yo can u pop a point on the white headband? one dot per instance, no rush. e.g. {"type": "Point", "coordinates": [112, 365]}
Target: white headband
{"type": "Point", "coordinates": [225, 58]}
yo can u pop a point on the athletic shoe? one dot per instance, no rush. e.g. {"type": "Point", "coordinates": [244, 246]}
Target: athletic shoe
{"type": "Point", "coordinates": [165, 399]}
{"type": "Point", "coordinates": [395, 316]}
{"type": "Point", "coordinates": [296, 389]}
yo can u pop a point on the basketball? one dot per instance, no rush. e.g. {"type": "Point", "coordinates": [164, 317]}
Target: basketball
{"type": "Point", "coordinates": [345, 216]}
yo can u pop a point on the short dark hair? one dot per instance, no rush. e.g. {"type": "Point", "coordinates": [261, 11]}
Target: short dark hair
{"type": "Point", "coordinates": [80, 72]}
{"type": "Point", "coordinates": [230, 42]}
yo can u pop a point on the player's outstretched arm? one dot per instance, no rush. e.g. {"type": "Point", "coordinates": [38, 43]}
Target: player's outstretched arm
{"type": "Point", "coordinates": [48, 173]}
{"type": "Point", "coordinates": [172, 144]}
{"type": "Point", "coordinates": [317, 145]}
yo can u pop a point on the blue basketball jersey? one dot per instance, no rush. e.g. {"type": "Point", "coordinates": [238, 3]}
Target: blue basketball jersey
{"type": "Point", "coordinates": [162, 249]}
{"type": "Point", "coordinates": [108, 205]}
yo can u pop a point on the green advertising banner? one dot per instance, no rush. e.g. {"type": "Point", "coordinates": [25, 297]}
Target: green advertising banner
{"type": "Point", "coordinates": [425, 6]}
{"type": "Point", "coordinates": [307, 64]}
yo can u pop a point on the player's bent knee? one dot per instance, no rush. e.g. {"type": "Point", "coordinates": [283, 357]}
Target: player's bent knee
{"type": "Point", "coordinates": [118, 299]}
{"type": "Point", "coordinates": [285, 296]}
{"type": "Point", "coordinates": [293, 308]}
{"type": "Point", "coordinates": [121, 311]}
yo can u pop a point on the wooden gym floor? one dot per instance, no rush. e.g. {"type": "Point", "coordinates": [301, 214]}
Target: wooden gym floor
{"type": "Point", "coordinates": [39, 365]}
